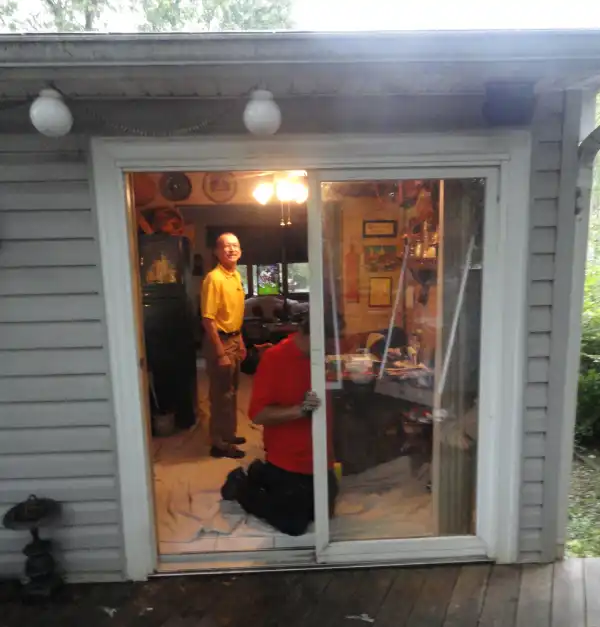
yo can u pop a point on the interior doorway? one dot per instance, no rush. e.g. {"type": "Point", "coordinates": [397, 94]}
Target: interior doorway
{"type": "Point", "coordinates": [177, 219]}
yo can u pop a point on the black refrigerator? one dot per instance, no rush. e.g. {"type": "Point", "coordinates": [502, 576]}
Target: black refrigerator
{"type": "Point", "coordinates": [168, 310]}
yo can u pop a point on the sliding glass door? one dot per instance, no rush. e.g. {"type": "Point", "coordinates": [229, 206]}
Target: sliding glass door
{"type": "Point", "coordinates": [397, 272]}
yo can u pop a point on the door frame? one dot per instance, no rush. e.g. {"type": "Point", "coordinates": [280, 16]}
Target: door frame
{"type": "Point", "coordinates": [509, 150]}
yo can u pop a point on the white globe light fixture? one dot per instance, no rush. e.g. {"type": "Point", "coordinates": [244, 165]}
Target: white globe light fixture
{"type": "Point", "coordinates": [262, 116]}
{"type": "Point", "coordinates": [50, 115]}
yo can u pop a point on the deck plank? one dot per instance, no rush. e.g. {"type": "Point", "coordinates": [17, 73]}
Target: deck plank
{"type": "Point", "coordinates": [243, 603]}
{"type": "Point", "coordinates": [468, 596]}
{"type": "Point", "coordinates": [304, 590]}
{"type": "Point", "coordinates": [401, 597]}
{"type": "Point", "coordinates": [500, 605]}
{"type": "Point", "coordinates": [363, 606]}
{"type": "Point", "coordinates": [568, 603]}
{"type": "Point", "coordinates": [331, 605]}
{"type": "Point", "coordinates": [592, 591]}
{"type": "Point", "coordinates": [535, 597]}
{"type": "Point", "coordinates": [432, 604]}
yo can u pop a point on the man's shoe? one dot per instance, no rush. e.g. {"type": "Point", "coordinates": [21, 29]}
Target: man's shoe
{"type": "Point", "coordinates": [237, 441]}
{"type": "Point", "coordinates": [231, 452]}
{"type": "Point", "coordinates": [230, 487]}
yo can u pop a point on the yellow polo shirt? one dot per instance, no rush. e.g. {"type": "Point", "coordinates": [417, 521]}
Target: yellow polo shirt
{"type": "Point", "coordinates": [223, 299]}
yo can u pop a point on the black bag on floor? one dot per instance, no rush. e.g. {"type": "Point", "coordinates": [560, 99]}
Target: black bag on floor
{"type": "Point", "coordinates": [250, 364]}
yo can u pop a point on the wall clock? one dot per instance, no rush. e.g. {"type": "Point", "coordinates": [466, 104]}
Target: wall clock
{"type": "Point", "coordinates": [219, 187]}
{"type": "Point", "coordinates": [175, 186]}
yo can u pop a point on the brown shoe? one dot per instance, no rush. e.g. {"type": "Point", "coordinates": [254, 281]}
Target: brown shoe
{"type": "Point", "coordinates": [237, 440]}
{"type": "Point", "coordinates": [231, 451]}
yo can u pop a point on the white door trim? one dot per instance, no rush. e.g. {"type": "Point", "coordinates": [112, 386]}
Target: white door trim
{"type": "Point", "coordinates": [112, 156]}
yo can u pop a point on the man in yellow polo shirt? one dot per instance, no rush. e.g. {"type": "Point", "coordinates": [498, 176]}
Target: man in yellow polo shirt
{"type": "Point", "coordinates": [222, 318]}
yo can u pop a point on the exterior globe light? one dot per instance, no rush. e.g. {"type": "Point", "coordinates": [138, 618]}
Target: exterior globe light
{"type": "Point", "coordinates": [262, 116]}
{"type": "Point", "coordinates": [50, 115]}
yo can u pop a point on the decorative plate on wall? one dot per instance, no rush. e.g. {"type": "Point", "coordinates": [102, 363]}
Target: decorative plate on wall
{"type": "Point", "coordinates": [144, 189]}
{"type": "Point", "coordinates": [175, 186]}
{"type": "Point", "coordinates": [219, 187]}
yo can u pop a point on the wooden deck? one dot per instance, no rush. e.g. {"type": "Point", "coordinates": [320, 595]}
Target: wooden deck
{"type": "Point", "coordinates": [561, 595]}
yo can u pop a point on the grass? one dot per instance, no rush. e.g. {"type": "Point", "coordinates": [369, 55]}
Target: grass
{"type": "Point", "coordinates": [584, 507]}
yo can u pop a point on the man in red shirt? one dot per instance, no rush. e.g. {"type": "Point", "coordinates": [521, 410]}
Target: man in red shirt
{"type": "Point", "coordinates": [280, 489]}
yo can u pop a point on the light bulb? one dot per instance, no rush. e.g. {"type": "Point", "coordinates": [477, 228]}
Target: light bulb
{"type": "Point", "coordinates": [50, 115]}
{"type": "Point", "coordinates": [263, 193]}
{"type": "Point", "coordinates": [300, 193]}
{"type": "Point", "coordinates": [285, 190]}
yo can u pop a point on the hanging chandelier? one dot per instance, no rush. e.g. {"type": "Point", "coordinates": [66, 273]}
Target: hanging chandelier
{"type": "Point", "coordinates": [288, 187]}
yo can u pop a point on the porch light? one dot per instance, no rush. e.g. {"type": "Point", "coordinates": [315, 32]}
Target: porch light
{"type": "Point", "coordinates": [262, 116]}
{"type": "Point", "coordinates": [50, 115]}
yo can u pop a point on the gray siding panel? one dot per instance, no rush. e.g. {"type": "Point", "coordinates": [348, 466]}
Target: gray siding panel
{"type": "Point", "coordinates": [87, 307]}
{"type": "Point", "coordinates": [56, 418]}
{"type": "Point", "coordinates": [545, 177]}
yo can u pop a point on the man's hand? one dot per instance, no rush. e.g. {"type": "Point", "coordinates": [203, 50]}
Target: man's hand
{"type": "Point", "coordinates": [224, 361]}
{"type": "Point", "coordinates": [261, 348]}
{"type": "Point", "coordinates": [243, 351]}
{"type": "Point", "coordinates": [311, 403]}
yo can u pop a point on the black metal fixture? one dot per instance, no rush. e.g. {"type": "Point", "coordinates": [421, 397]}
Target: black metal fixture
{"type": "Point", "coordinates": [509, 103]}
{"type": "Point", "coordinates": [41, 577]}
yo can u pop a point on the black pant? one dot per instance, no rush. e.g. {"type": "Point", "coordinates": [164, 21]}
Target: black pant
{"type": "Point", "coordinates": [283, 499]}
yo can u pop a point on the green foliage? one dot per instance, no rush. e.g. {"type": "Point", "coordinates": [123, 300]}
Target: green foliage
{"type": "Point", "coordinates": [587, 429]}
{"type": "Point", "coordinates": [583, 528]}
{"type": "Point", "coordinates": [588, 408]}
{"type": "Point", "coordinates": [149, 15]}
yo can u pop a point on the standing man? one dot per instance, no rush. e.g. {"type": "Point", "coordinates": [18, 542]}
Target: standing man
{"type": "Point", "coordinates": [222, 318]}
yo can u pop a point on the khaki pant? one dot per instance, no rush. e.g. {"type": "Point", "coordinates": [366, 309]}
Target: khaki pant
{"type": "Point", "coordinates": [223, 388]}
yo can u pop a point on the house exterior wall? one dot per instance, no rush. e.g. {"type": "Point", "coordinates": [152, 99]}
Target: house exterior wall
{"type": "Point", "coordinates": [545, 176]}
{"type": "Point", "coordinates": [55, 409]}
{"type": "Point", "coordinates": [56, 419]}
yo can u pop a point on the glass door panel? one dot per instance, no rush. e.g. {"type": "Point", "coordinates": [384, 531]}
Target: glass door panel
{"type": "Point", "coordinates": [401, 318]}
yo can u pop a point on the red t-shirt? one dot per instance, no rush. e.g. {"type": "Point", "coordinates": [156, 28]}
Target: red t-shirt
{"type": "Point", "coordinates": [283, 378]}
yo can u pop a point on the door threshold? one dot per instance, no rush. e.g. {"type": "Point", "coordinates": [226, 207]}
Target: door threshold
{"type": "Point", "coordinates": [271, 560]}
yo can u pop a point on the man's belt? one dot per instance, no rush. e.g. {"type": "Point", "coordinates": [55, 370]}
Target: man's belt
{"type": "Point", "coordinates": [226, 336]}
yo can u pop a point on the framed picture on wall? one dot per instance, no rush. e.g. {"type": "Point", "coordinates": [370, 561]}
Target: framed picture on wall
{"type": "Point", "coordinates": [219, 187]}
{"type": "Point", "coordinates": [380, 228]}
{"type": "Point", "coordinates": [380, 291]}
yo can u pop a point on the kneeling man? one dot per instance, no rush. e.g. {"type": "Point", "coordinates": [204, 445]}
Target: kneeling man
{"type": "Point", "coordinates": [280, 490]}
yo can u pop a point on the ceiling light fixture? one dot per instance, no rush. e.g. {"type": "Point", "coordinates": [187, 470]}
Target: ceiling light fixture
{"type": "Point", "coordinates": [50, 115]}
{"type": "Point", "coordinates": [263, 193]}
{"type": "Point", "coordinates": [262, 115]}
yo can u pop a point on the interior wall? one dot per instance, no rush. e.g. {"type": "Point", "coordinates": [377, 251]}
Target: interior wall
{"type": "Point", "coordinates": [359, 316]}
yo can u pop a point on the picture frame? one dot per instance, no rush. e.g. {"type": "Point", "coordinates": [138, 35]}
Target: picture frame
{"type": "Point", "coordinates": [380, 292]}
{"type": "Point", "coordinates": [373, 229]}
{"type": "Point", "coordinates": [219, 187]}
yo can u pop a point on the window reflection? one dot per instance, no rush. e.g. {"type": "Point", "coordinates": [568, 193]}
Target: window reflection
{"type": "Point", "coordinates": [402, 266]}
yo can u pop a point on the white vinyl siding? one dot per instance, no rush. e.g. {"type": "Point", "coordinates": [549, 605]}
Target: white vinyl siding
{"type": "Point", "coordinates": [56, 417]}
{"type": "Point", "coordinates": [545, 177]}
